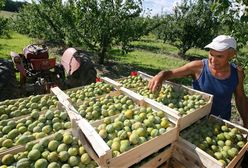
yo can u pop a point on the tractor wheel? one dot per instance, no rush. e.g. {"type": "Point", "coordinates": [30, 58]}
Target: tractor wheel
{"type": "Point", "coordinates": [9, 88]}
{"type": "Point", "coordinates": [85, 75]}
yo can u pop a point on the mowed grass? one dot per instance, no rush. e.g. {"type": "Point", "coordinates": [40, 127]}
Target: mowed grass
{"type": "Point", "coordinates": [16, 42]}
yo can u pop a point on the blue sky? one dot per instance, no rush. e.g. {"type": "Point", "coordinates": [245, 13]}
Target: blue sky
{"type": "Point", "coordinates": [156, 6]}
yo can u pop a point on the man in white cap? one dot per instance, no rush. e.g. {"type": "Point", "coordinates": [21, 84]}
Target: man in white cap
{"type": "Point", "coordinates": [215, 76]}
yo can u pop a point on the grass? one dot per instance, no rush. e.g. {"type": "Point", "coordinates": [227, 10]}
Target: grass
{"type": "Point", "coordinates": [16, 42]}
{"type": "Point", "coordinates": [7, 14]}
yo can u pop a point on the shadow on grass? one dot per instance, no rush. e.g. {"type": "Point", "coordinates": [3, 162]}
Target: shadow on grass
{"type": "Point", "coordinates": [195, 57]}
{"type": "Point", "coordinates": [146, 48]}
{"type": "Point", "coordinates": [115, 70]}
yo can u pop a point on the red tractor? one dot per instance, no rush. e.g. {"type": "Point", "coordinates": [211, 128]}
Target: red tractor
{"type": "Point", "coordinates": [38, 72]}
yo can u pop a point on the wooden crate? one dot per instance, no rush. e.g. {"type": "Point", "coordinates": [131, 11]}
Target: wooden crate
{"type": "Point", "coordinates": [102, 154]}
{"type": "Point", "coordinates": [186, 120]}
{"type": "Point", "coordinates": [160, 159]}
{"type": "Point", "coordinates": [194, 157]}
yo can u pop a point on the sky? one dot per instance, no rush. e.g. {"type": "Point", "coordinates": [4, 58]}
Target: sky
{"type": "Point", "coordinates": [156, 6]}
{"type": "Point", "coordinates": [160, 6]}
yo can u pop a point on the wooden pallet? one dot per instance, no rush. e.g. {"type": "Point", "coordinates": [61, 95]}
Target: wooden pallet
{"type": "Point", "coordinates": [194, 157]}
{"type": "Point", "coordinates": [102, 154]}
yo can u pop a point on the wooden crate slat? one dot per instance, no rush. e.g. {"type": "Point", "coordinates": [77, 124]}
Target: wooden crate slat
{"type": "Point", "coordinates": [159, 159]}
{"type": "Point", "coordinates": [111, 82]}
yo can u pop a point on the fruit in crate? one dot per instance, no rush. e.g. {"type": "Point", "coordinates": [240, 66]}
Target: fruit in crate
{"type": "Point", "coordinates": [26, 129]}
{"type": "Point", "coordinates": [129, 129]}
{"type": "Point", "coordinates": [183, 102]}
{"type": "Point", "coordinates": [46, 153]}
{"type": "Point", "coordinates": [97, 108]}
{"type": "Point", "coordinates": [217, 139]}
{"type": "Point", "coordinates": [134, 82]}
{"type": "Point", "coordinates": [92, 90]}
{"type": "Point", "coordinates": [24, 106]}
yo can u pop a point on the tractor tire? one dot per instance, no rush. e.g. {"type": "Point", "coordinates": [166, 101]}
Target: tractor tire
{"type": "Point", "coordinates": [85, 75]}
{"type": "Point", "coordinates": [9, 88]}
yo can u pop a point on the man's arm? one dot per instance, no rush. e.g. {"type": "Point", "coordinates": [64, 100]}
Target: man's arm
{"type": "Point", "coordinates": [193, 68]}
{"type": "Point", "coordinates": [241, 99]}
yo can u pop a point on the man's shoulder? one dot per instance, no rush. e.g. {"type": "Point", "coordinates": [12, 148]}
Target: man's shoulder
{"type": "Point", "coordinates": [196, 64]}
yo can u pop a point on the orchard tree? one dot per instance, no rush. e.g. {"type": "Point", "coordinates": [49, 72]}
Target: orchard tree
{"type": "Point", "coordinates": [233, 15]}
{"type": "Point", "coordinates": [3, 21]}
{"type": "Point", "coordinates": [93, 24]}
{"type": "Point", "coordinates": [191, 25]}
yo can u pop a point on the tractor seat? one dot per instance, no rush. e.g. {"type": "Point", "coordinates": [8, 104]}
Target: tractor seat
{"type": "Point", "coordinates": [43, 64]}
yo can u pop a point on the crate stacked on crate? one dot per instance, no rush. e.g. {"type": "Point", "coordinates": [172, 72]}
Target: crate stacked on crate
{"type": "Point", "coordinates": [129, 137]}
{"type": "Point", "coordinates": [189, 104]}
{"type": "Point", "coordinates": [91, 138]}
{"type": "Point", "coordinates": [212, 142]}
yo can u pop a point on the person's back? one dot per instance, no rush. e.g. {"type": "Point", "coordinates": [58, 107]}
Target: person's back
{"type": "Point", "coordinates": [222, 89]}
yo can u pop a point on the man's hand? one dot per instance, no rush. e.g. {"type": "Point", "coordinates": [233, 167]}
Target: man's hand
{"type": "Point", "coordinates": [155, 83]}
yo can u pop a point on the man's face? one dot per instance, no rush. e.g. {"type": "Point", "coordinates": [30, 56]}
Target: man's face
{"type": "Point", "coordinates": [218, 59]}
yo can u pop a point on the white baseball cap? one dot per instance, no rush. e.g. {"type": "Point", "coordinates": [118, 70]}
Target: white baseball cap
{"type": "Point", "coordinates": [222, 42]}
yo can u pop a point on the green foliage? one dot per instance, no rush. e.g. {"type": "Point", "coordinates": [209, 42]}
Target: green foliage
{"type": "Point", "coordinates": [4, 26]}
{"type": "Point", "coordinates": [91, 24]}
{"type": "Point", "coordinates": [192, 25]}
{"type": "Point", "coordinates": [2, 3]}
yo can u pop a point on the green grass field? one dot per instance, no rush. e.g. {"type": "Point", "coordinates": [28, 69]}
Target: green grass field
{"type": "Point", "coordinates": [15, 43]}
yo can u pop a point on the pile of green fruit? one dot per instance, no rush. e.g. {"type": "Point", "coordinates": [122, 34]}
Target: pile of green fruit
{"type": "Point", "coordinates": [133, 82]}
{"type": "Point", "coordinates": [62, 151]}
{"type": "Point", "coordinates": [217, 139]}
{"type": "Point", "coordinates": [131, 128]}
{"type": "Point", "coordinates": [97, 108]}
{"type": "Point", "coordinates": [183, 102]}
{"type": "Point", "coordinates": [92, 90]}
{"type": "Point", "coordinates": [23, 106]}
{"type": "Point", "coordinates": [35, 126]}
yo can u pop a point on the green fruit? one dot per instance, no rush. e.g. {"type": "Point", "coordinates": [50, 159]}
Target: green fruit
{"type": "Point", "coordinates": [134, 138]}
{"type": "Point", "coordinates": [53, 145]}
{"type": "Point", "coordinates": [39, 147]}
{"type": "Point", "coordinates": [52, 157]}
{"type": "Point", "coordinates": [53, 165]}
{"type": "Point", "coordinates": [232, 152]}
{"type": "Point", "coordinates": [73, 161]}
{"type": "Point", "coordinates": [64, 156]}
{"type": "Point", "coordinates": [67, 139]}
{"type": "Point", "coordinates": [23, 163]}
{"type": "Point", "coordinates": [41, 163]}
{"type": "Point", "coordinates": [13, 133]}
{"type": "Point", "coordinates": [73, 151]}
{"type": "Point", "coordinates": [115, 146]}
{"type": "Point", "coordinates": [29, 146]}
{"type": "Point", "coordinates": [85, 158]}
{"type": "Point", "coordinates": [62, 147]}
{"type": "Point", "coordinates": [8, 159]}
{"type": "Point", "coordinates": [34, 154]}
{"type": "Point", "coordinates": [7, 143]}
{"type": "Point", "coordinates": [125, 146]}
{"type": "Point", "coordinates": [103, 133]}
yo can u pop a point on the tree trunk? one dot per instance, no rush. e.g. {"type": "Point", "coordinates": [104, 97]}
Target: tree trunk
{"type": "Point", "coordinates": [102, 55]}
